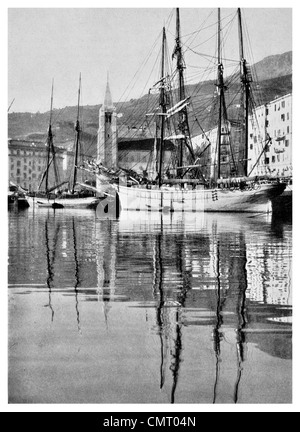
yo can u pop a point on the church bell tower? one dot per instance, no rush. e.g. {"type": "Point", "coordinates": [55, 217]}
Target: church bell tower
{"type": "Point", "coordinates": [107, 145]}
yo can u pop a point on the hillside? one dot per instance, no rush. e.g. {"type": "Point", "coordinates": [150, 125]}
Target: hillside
{"type": "Point", "coordinates": [34, 126]}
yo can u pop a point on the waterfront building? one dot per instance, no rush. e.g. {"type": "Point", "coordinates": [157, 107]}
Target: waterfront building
{"type": "Point", "coordinates": [270, 138]}
{"type": "Point", "coordinates": [27, 162]}
{"type": "Point", "coordinates": [269, 142]}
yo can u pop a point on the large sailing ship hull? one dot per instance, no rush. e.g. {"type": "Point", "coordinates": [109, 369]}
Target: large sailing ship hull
{"type": "Point", "coordinates": [67, 203]}
{"type": "Point", "coordinates": [202, 200]}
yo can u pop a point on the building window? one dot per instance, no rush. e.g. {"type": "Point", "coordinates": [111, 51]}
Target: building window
{"type": "Point", "coordinates": [288, 130]}
{"type": "Point", "coordinates": [275, 107]}
{"type": "Point", "coordinates": [267, 111]}
{"type": "Point", "coordinates": [18, 171]}
{"type": "Point", "coordinates": [287, 143]}
{"type": "Point", "coordinates": [25, 167]}
{"type": "Point", "coordinates": [251, 146]}
{"type": "Point", "coordinates": [275, 133]}
{"type": "Point", "coordinates": [19, 163]}
{"type": "Point", "coordinates": [283, 104]}
{"type": "Point", "coordinates": [273, 159]}
{"type": "Point", "coordinates": [25, 176]}
{"type": "Point", "coordinates": [267, 123]}
{"type": "Point", "coordinates": [255, 140]}
{"type": "Point", "coordinates": [283, 117]}
{"type": "Point", "coordinates": [267, 161]}
{"type": "Point", "coordinates": [278, 158]}
{"type": "Point", "coordinates": [288, 116]}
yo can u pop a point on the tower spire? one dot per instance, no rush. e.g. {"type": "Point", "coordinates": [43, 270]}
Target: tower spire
{"type": "Point", "coordinates": [108, 103]}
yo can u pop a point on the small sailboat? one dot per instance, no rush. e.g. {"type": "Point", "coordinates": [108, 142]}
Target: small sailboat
{"type": "Point", "coordinates": [184, 187]}
{"type": "Point", "coordinates": [53, 197]}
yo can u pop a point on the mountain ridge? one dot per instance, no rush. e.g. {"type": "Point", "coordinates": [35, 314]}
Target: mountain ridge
{"type": "Point", "coordinates": [274, 79]}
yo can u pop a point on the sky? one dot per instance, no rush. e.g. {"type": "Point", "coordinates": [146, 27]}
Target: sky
{"type": "Point", "coordinates": [59, 43]}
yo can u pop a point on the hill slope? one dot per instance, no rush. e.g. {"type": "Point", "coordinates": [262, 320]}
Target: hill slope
{"type": "Point", "coordinates": [277, 70]}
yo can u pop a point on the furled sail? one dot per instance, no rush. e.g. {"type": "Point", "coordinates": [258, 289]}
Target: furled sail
{"type": "Point", "coordinates": [178, 107]}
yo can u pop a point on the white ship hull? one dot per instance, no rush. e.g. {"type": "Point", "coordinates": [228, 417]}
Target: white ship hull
{"type": "Point", "coordinates": [68, 203]}
{"type": "Point", "coordinates": [202, 200]}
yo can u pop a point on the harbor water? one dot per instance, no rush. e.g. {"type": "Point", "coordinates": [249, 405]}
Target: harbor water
{"type": "Point", "coordinates": [149, 308]}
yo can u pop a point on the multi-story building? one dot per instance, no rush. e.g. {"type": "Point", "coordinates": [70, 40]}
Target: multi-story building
{"type": "Point", "coordinates": [27, 162]}
{"type": "Point", "coordinates": [270, 139]}
{"type": "Point", "coordinates": [269, 143]}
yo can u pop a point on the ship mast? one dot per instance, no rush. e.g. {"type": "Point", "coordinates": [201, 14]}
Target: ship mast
{"type": "Point", "coordinates": [180, 68]}
{"type": "Point", "coordinates": [183, 115]}
{"type": "Point", "coordinates": [77, 131]}
{"type": "Point", "coordinates": [246, 79]}
{"type": "Point", "coordinates": [49, 143]}
{"type": "Point", "coordinates": [163, 110]}
{"type": "Point", "coordinates": [221, 91]}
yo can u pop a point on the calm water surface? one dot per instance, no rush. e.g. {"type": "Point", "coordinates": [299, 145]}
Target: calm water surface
{"type": "Point", "coordinates": [149, 308]}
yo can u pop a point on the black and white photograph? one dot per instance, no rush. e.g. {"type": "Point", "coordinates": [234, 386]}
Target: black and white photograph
{"type": "Point", "coordinates": [150, 206]}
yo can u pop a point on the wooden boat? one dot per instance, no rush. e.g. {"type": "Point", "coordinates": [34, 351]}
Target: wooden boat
{"type": "Point", "coordinates": [83, 199]}
{"type": "Point", "coordinates": [184, 187]}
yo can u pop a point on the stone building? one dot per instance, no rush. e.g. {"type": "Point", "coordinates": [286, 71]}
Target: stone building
{"type": "Point", "coordinates": [27, 162]}
{"type": "Point", "coordinates": [107, 140]}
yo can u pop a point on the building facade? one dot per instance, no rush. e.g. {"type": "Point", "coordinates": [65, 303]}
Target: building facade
{"type": "Point", "coordinates": [27, 163]}
{"type": "Point", "coordinates": [269, 143]}
{"type": "Point", "coordinates": [270, 139]}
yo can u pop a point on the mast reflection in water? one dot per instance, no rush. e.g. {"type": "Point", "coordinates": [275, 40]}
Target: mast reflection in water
{"type": "Point", "coordinates": [169, 308]}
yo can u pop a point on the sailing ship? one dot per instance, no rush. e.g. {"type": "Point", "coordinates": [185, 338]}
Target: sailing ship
{"type": "Point", "coordinates": [54, 197]}
{"type": "Point", "coordinates": [184, 187]}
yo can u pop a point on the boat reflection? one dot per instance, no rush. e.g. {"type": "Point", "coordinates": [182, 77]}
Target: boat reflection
{"type": "Point", "coordinates": [219, 264]}
{"type": "Point", "coordinates": [213, 287]}
{"type": "Point", "coordinates": [51, 256]}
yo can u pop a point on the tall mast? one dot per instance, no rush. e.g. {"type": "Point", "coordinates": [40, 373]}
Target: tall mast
{"type": "Point", "coordinates": [180, 68]}
{"type": "Point", "coordinates": [163, 109]}
{"type": "Point", "coordinates": [183, 116]}
{"type": "Point", "coordinates": [221, 89]}
{"type": "Point", "coordinates": [77, 130]}
{"type": "Point", "coordinates": [246, 79]}
{"type": "Point", "coordinates": [49, 142]}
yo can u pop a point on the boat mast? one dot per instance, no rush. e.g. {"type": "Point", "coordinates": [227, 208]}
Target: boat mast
{"type": "Point", "coordinates": [77, 130]}
{"type": "Point", "coordinates": [163, 110]}
{"type": "Point", "coordinates": [49, 143]}
{"type": "Point", "coordinates": [183, 115]}
{"type": "Point", "coordinates": [180, 68]}
{"type": "Point", "coordinates": [221, 90]}
{"type": "Point", "coordinates": [246, 79]}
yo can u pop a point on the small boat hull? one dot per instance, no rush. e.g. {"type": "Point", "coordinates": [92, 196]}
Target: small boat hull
{"type": "Point", "coordinates": [66, 203]}
{"type": "Point", "coordinates": [19, 202]}
{"type": "Point", "coordinates": [283, 204]}
{"type": "Point", "coordinates": [257, 200]}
